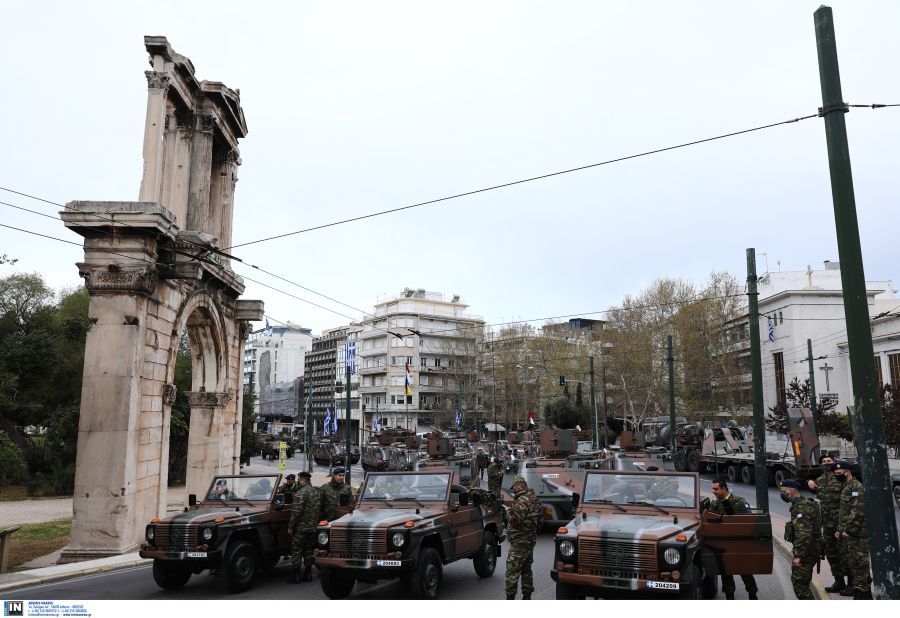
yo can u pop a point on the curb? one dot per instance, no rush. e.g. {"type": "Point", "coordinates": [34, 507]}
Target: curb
{"type": "Point", "coordinates": [10, 581]}
{"type": "Point", "coordinates": [817, 587]}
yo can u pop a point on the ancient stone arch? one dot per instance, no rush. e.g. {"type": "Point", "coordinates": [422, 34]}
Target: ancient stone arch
{"type": "Point", "coordinates": [154, 268]}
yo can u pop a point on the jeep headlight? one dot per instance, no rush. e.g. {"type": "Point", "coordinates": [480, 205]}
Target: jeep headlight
{"type": "Point", "coordinates": [150, 533]}
{"type": "Point", "coordinates": [566, 549]}
{"type": "Point", "coordinates": [672, 556]}
{"type": "Point", "coordinates": [207, 533]}
{"type": "Point", "coordinates": [322, 538]}
{"type": "Point", "coordinates": [398, 539]}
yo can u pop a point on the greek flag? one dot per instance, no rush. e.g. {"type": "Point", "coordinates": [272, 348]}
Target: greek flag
{"type": "Point", "coordinates": [268, 328]}
{"type": "Point", "coordinates": [326, 430]}
{"type": "Point", "coordinates": [375, 426]}
{"type": "Point", "coordinates": [350, 356]}
{"type": "Point", "coordinates": [458, 419]}
{"type": "Point", "coordinates": [771, 331]}
{"type": "Point", "coordinates": [334, 427]}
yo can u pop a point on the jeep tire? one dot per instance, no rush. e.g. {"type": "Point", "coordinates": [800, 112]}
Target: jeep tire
{"type": "Point", "coordinates": [170, 575]}
{"type": "Point", "coordinates": [241, 565]}
{"type": "Point", "coordinates": [568, 592]}
{"type": "Point", "coordinates": [486, 558]}
{"type": "Point", "coordinates": [426, 579]}
{"type": "Point", "coordinates": [335, 586]}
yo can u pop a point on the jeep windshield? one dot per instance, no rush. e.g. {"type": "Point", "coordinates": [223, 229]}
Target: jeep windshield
{"type": "Point", "coordinates": [243, 488]}
{"type": "Point", "coordinates": [661, 490]}
{"type": "Point", "coordinates": [421, 487]}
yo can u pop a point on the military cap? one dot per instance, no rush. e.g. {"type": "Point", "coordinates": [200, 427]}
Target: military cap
{"type": "Point", "coordinates": [841, 464]}
{"type": "Point", "coordinates": [221, 482]}
{"type": "Point", "coordinates": [518, 479]}
{"type": "Point", "coordinates": [290, 477]}
{"type": "Point", "coordinates": [790, 483]}
{"type": "Point", "coordinates": [338, 470]}
{"type": "Point", "coordinates": [303, 475]}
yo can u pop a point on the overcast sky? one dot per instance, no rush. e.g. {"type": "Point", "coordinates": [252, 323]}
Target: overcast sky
{"type": "Point", "coordinates": [356, 108]}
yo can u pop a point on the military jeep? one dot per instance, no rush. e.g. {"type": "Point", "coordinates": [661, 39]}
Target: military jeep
{"type": "Point", "coordinates": [407, 525]}
{"type": "Point", "coordinates": [647, 534]}
{"type": "Point", "coordinates": [239, 527]}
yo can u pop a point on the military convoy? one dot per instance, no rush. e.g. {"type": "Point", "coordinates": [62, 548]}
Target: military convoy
{"type": "Point", "coordinates": [239, 527]}
{"type": "Point", "coordinates": [648, 534]}
{"type": "Point", "coordinates": [406, 526]}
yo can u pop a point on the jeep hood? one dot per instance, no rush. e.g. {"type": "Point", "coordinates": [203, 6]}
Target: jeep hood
{"type": "Point", "coordinates": [203, 516]}
{"type": "Point", "coordinates": [381, 518]}
{"type": "Point", "coordinates": [641, 527]}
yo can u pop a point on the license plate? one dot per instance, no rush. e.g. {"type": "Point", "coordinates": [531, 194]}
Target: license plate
{"type": "Point", "coordinates": [196, 554]}
{"type": "Point", "coordinates": [663, 585]}
{"type": "Point", "coordinates": [387, 562]}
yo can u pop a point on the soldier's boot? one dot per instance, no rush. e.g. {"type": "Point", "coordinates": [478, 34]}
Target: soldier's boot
{"type": "Point", "coordinates": [307, 574]}
{"type": "Point", "coordinates": [864, 595]}
{"type": "Point", "coordinates": [729, 596]}
{"type": "Point", "coordinates": [526, 596]}
{"type": "Point", "coordinates": [848, 591]}
{"type": "Point", "coordinates": [752, 596]}
{"type": "Point", "coordinates": [294, 578]}
{"type": "Point", "coordinates": [837, 586]}
{"type": "Point", "coordinates": [510, 597]}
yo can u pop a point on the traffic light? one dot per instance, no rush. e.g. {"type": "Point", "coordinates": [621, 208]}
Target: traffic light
{"type": "Point", "coordinates": [562, 380]}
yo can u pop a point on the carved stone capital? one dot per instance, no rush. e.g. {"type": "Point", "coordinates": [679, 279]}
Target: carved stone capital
{"type": "Point", "coordinates": [207, 400]}
{"type": "Point", "coordinates": [205, 123]}
{"type": "Point", "coordinates": [244, 331]}
{"type": "Point", "coordinates": [157, 80]}
{"type": "Point", "coordinates": [169, 392]}
{"type": "Point", "coordinates": [99, 279]}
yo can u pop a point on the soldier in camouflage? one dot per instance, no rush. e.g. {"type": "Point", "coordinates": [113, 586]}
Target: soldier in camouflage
{"type": "Point", "coordinates": [495, 476]}
{"type": "Point", "coordinates": [288, 487]}
{"type": "Point", "coordinates": [804, 532]}
{"type": "Point", "coordinates": [330, 494]}
{"type": "Point", "coordinates": [726, 503]}
{"type": "Point", "coordinates": [853, 534]}
{"type": "Point", "coordinates": [302, 528]}
{"type": "Point", "coordinates": [525, 518]}
{"type": "Point", "coordinates": [828, 489]}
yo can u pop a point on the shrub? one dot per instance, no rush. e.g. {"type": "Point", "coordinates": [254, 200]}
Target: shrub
{"type": "Point", "coordinates": [12, 466]}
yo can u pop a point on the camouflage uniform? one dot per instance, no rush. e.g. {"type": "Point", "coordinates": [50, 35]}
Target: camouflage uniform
{"type": "Point", "coordinates": [330, 500]}
{"type": "Point", "coordinates": [828, 490]}
{"type": "Point", "coordinates": [805, 533]}
{"type": "Point", "coordinates": [852, 520]}
{"type": "Point", "coordinates": [304, 518]}
{"type": "Point", "coordinates": [525, 518]}
{"type": "Point", "coordinates": [287, 488]}
{"type": "Point", "coordinates": [495, 477]}
{"type": "Point", "coordinates": [730, 506]}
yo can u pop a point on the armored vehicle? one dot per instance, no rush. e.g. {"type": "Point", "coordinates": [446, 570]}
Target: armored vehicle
{"type": "Point", "coordinates": [407, 525]}
{"type": "Point", "coordinates": [649, 534]}
{"type": "Point", "coordinates": [557, 475]}
{"type": "Point", "coordinates": [239, 527]}
{"type": "Point", "coordinates": [327, 453]}
{"type": "Point", "coordinates": [271, 446]}
{"type": "Point", "coordinates": [443, 455]}
{"type": "Point", "coordinates": [395, 457]}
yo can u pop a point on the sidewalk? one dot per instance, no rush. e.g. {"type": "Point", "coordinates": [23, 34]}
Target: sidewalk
{"type": "Point", "coordinates": [44, 569]}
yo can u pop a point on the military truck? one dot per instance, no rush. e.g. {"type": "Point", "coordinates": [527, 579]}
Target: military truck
{"type": "Point", "coordinates": [239, 527]}
{"type": "Point", "coordinates": [407, 525]}
{"type": "Point", "coordinates": [728, 450]}
{"type": "Point", "coordinates": [444, 454]}
{"type": "Point", "coordinates": [557, 474]}
{"type": "Point", "coordinates": [394, 457]}
{"type": "Point", "coordinates": [648, 534]}
{"type": "Point", "coordinates": [271, 448]}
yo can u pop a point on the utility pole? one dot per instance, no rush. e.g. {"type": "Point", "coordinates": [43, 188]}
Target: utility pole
{"type": "Point", "coordinates": [759, 432]}
{"type": "Point", "coordinates": [866, 411]}
{"type": "Point", "coordinates": [596, 443]}
{"type": "Point", "coordinates": [605, 410]}
{"type": "Point", "coordinates": [671, 361]}
{"type": "Point", "coordinates": [812, 388]}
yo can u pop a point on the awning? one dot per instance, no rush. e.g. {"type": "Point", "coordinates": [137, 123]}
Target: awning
{"type": "Point", "coordinates": [494, 427]}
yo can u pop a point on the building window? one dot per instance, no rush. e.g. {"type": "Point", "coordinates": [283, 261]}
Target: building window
{"type": "Point", "coordinates": [778, 359]}
{"type": "Point", "coordinates": [423, 361]}
{"type": "Point", "coordinates": [878, 373]}
{"type": "Point", "coordinates": [437, 362]}
{"type": "Point", "coordinates": [894, 368]}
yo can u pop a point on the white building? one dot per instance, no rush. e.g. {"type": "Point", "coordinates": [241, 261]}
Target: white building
{"type": "Point", "coordinates": [808, 305]}
{"type": "Point", "coordinates": [275, 356]}
{"type": "Point", "coordinates": [438, 341]}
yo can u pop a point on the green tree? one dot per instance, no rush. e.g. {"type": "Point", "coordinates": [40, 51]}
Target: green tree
{"type": "Point", "coordinates": [180, 419]}
{"type": "Point", "coordinates": [12, 465]}
{"type": "Point", "coordinates": [799, 395]}
{"type": "Point", "coordinates": [250, 441]}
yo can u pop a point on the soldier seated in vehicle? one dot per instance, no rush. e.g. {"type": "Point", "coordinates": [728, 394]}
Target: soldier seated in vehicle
{"type": "Point", "coordinates": [260, 491]}
{"type": "Point", "coordinates": [620, 492]}
{"type": "Point", "coordinates": [220, 491]}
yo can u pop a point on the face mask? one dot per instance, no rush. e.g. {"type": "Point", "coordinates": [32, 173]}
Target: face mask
{"type": "Point", "coordinates": [784, 497]}
{"type": "Point", "coordinates": [842, 478]}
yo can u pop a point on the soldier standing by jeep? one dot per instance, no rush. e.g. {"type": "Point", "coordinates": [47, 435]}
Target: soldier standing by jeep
{"type": "Point", "coordinates": [302, 528]}
{"type": "Point", "coordinates": [524, 520]}
{"type": "Point", "coordinates": [288, 487]}
{"type": "Point", "coordinates": [726, 503]}
{"type": "Point", "coordinates": [804, 532]}
{"type": "Point", "coordinates": [828, 489]}
{"type": "Point", "coordinates": [853, 533]}
{"type": "Point", "coordinates": [495, 476]}
{"type": "Point", "coordinates": [330, 494]}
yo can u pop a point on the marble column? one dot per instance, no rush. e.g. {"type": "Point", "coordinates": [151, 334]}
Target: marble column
{"type": "Point", "coordinates": [198, 210]}
{"type": "Point", "coordinates": [154, 130]}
